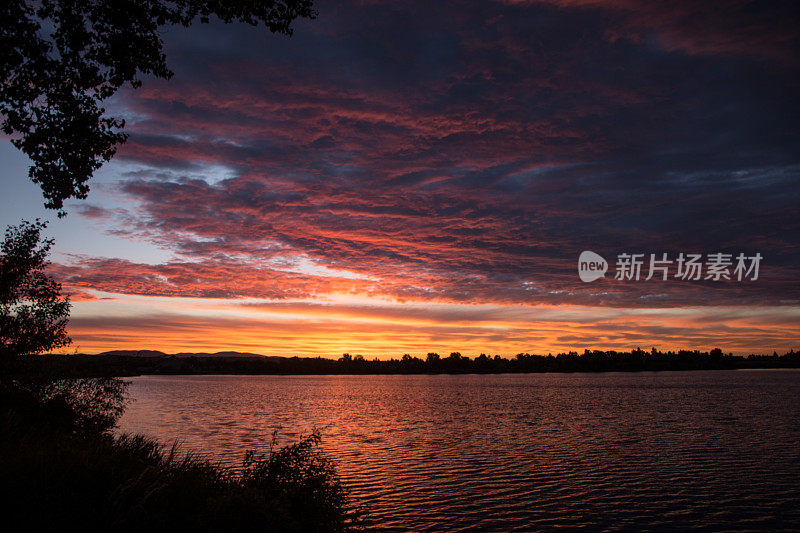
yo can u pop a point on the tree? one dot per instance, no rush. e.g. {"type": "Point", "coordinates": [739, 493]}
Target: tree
{"type": "Point", "coordinates": [33, 314]}
{"type": "Point", "coordinates": [60, 59]}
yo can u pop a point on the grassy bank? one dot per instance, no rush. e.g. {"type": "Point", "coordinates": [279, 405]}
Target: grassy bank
{"type": "Point", "coordinates": [57, 472]}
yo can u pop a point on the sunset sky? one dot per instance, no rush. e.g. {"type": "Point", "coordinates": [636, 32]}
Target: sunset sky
{"type": "Point", "coordinates": [422, 176]}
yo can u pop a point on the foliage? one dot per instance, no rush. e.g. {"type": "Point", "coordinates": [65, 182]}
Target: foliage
{"type": "Point", "coordinates": [65, 466]}
{"type": "Point", "coordinates": [60, 59]}
{"type": "Point", "coordinates": [33, 315]}
{"type": "Point", "coordinates": [129, 364]}
{"type": "Point", "coordinates": [301, 479]}
{"type": "Point", "coordinates": [101, 481]}
{"type": "Point", "coordinates": [41, 405]}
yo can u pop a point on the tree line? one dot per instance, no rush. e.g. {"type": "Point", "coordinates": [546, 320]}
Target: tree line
{"type": "Point", "coordinates": [432, 363]}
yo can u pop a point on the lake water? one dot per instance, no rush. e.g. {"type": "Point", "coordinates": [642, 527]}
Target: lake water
{"type": "Point", "coordinates": [716, 449]}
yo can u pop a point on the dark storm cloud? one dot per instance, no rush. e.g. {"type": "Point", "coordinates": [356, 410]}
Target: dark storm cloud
{"type": "Point", "coordinates": [445, 152]}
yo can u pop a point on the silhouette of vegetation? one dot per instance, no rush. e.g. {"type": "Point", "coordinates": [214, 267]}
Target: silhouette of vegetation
{"type": "Point", "coordinates": [64, 465]}
{"type": "Point", "coordinates": [33, 314]}
{"type": "Point", "coordinates": [60, 463]}
{"type": "Point", "coordinates": [32, 402]}
{"type": "Point", "coordinates": [99, 480]}
{"type": "Point", "coordinates": [134, 363]}
{"type": "Point", "coordinates": [33, 319]}
{"type": "Point", "coordinates": [61, 59]}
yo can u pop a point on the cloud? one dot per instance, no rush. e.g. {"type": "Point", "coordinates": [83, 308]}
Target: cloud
{"type": "Point", "coordinates": [307, 328]}
{"type": "Point", "coordinates": [739, 27]}
{"type": "Point", "coordinates": [435, 153]}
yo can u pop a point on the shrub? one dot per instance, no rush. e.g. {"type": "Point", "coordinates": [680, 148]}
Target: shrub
{"type": "Point", "coordinates": [47, 406]}
{"type": "Point", "coordinates": [102, 481]}
{"type": "Point", "coordinates": [60, 464]}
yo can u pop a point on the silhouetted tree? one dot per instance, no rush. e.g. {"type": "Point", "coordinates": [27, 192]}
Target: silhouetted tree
{"type": "Point", "coordinates": [60, 59]}
{"type": "Point", "coordinates": [33, 314]}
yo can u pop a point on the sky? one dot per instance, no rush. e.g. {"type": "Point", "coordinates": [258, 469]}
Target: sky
{"type": "Point", "coordinates": [406, 177]}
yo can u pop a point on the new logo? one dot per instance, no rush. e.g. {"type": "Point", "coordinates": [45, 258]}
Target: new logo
{"type": "Point", "coordinates": [591, 266]}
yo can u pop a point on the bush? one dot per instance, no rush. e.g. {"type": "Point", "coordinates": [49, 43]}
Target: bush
{"type": "Point", "coordinates": [102, 481]}
{"type": "Point", "coordinates": [60, 464]}
{"type": "Point", "coordinates": [46, 406]}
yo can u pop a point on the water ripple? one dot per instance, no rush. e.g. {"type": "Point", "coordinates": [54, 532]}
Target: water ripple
{"type": "Point", "coordinates": [711, 450]}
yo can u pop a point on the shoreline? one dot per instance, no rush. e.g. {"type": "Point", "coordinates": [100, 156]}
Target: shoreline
{"type": "Point", "coordinates": [80, 365]}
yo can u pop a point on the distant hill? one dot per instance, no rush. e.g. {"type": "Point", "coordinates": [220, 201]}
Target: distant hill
{"type": "Point", "coordinates": [157, 353]}
{"type": "Point", "coordinates": [135, 353]}
{"type": "Point", "coordinates": [246, 355]}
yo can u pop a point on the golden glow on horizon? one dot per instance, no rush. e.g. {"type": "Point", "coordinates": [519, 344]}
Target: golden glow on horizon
{"type": "Point", "coordinates": [378, 327]}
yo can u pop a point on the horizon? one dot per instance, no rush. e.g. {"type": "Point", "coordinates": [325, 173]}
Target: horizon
{"type": "Point", "coordinates": [421, 355]}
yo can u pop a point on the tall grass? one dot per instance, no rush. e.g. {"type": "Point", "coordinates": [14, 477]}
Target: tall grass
{"type": "Point", "coordinates": [94, 479]}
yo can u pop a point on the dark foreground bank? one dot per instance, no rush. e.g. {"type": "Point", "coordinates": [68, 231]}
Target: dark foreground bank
{"type": "Point", "coordinates": [60, 465]}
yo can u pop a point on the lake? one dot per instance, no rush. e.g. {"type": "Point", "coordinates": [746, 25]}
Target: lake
{"type": "Point", "coordinates": [715, 449]}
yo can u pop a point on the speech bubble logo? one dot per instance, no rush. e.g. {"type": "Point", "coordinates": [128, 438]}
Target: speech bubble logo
{"type": "Point", "coordinates": [591, 266]}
